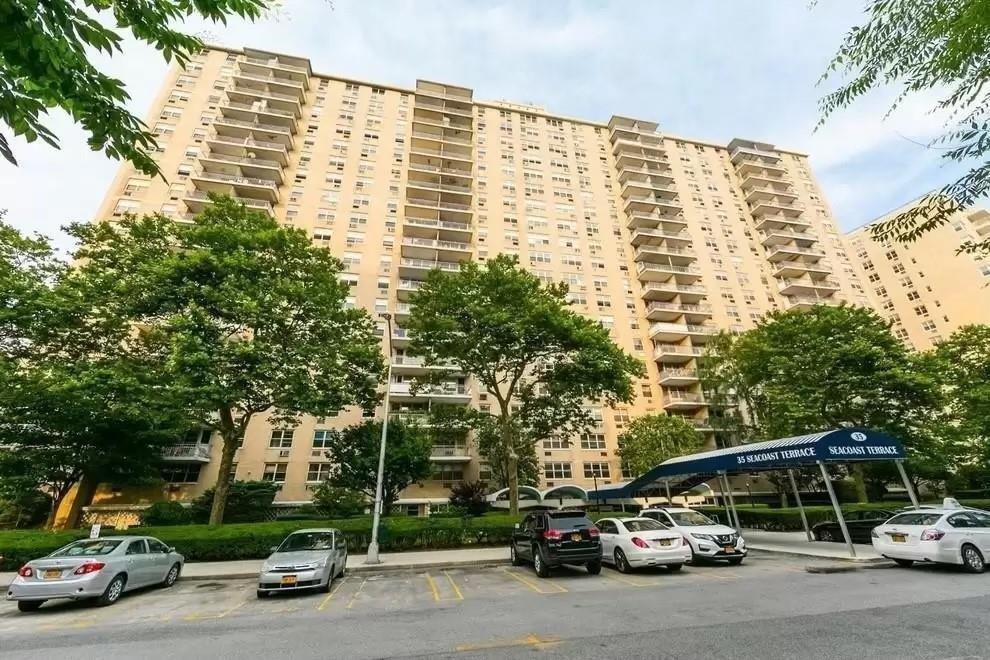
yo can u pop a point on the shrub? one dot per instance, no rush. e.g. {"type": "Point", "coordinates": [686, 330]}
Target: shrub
{"type": "Point", "coordinates": [335, 502]}
{"type": "Point", "coordinates": [247, 501]}
{"type": "Point", "coordinates": [469, 496]}
{"type": "Point", "coordinates": [24, 508]}
{"type": "Point", "coordinates": [164, 514]}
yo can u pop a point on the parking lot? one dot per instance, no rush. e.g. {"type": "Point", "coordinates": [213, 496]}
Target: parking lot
{"type": "Point", "coordinates": [489, 611]}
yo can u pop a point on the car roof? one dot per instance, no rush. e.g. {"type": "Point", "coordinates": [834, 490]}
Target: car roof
{"type": "Point", "coordinates": [128, 537]}
{"type": "Point", "coordinates": [634, 518]}
{"type": "Point", "coordinates": [677, 509]}
{"type": "Point", "coordinates": [315, 529]}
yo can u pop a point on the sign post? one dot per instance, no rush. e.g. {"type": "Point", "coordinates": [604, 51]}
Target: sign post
{"type": "Point", "coordinates": [94, 531]}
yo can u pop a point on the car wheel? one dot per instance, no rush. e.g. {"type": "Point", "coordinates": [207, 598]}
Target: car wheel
{"type": "Point", "coordinates": [826, 535]}
{"type": "Point", "coordinates": [904, 563]}
{"type": "Point", "coordinates": [343, 567]}
{"type": "Point", "coordinates": [540, 564]}
{"type": "Point", "coordinates": [695, 559]}
{"type": "Point", "coordinates": [594, 567]}
{"type": "Point", "coordinates": [171, 576]}
{"type": "Point", "coordinates": [325, 588]}
{"type": "Point", "coordinates": [261, 594]}
{"type": "Point", "coordinates": [113, 591]}
{"type": "Point", "coordinates": [735, 561]}
{"type": "Point", "coordinates": [514, 558]}
{"type": "Point", "coordinates": [29, 605]}
{"type": "Point", "coordinates": [673, 568]}
{"type": "Point", "coordinates": [621, 563]}
{"type": "Point", "coordinates": [972, 559]}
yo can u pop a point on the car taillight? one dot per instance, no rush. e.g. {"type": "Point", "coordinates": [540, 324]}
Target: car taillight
{"type": "Point", "coordinates": [25, 571]}
{"type": "Point", "coordinates": [89, 567]}
{"type": "Point", "coordinates": [552, 535]}
{"type": "Point", "coordinates": [639, 543]}
{"type": "Point", "coordinates": [932, 535]}
{"type": "Point", "coordinates": [593, 531]}
{"type": "Point", "coordinates": [873, 533]}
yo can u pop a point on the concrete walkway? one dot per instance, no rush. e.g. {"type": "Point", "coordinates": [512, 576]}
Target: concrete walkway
{"type": "Point", "coordinates": [796, 543]}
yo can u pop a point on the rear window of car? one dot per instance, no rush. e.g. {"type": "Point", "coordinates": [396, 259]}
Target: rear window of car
{"type": "Point", "coordinates": [642, 525]}
{"type": "Point", "coordinates": [568, 521]}
{"type": "Point", "coordinates": [915, 519]}
{"type": "Point", "coordinates": [87, 548]}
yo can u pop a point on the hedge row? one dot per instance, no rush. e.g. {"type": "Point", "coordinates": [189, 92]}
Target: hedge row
{"type": "Point", "coordinates": [254, 540]}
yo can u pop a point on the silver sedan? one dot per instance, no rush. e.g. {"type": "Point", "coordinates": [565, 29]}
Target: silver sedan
{"type": "Point", "coordinates": [307, 559]}
{"type": "Point", "coordinates": [102, 568]}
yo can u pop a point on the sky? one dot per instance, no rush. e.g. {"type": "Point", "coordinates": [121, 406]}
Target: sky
{"type": "Point", "coordinates": [708, 69]}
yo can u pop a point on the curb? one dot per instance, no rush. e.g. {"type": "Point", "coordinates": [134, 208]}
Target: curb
{"type": "Point", "coordinates": [804, 555]}
{"type": "Point", "coordinates": [361, 569]}
{"type": "Point", "coordinates": [828, 570]}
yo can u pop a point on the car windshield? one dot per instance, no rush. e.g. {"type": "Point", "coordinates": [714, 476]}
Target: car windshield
{"type": "Point", "coordinates": [690, 518]}
{"type": "Point", "coordinates": [642, 525]}
{"type": "Point", "coordinates": [568, 521]}
{"type": "Point", "coordinates": [301, 541]}
{"type": "Point", "coordinates": [87, 548]}
{"type": "Point", "coordinates": [915, 519]}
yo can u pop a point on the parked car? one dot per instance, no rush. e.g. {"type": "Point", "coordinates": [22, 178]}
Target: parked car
{"type": "Point", "coordinates": [306, 559]}
{"type": "Point", "coordinates": [708, 540]}
{"type": "Point", "coordinates": [552, 538]}
{"type": "Point", "coordinates": [102, 568]}
{"type": "Point", "coordinates": [859, 524]}
{"type": "Point", "coordinates": [951, 534]}
{"type": "Point", "coordinates": [629, 543]}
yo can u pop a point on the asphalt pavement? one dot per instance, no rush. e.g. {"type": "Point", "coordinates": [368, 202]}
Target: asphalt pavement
{"type": "Point", "coordinates": [769, 607]}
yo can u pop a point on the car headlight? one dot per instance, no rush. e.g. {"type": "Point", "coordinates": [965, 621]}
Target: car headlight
{"type": "Point", "coordinates": [704, 537]}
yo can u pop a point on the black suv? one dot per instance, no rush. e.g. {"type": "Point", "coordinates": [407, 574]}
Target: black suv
{"type": "Point", "coordinates": [552, 538]}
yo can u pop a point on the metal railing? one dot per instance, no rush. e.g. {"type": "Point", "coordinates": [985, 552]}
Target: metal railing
{"type": "Point", "coordinates": [430, 390]}
{"type": "Point", "coordinates": [685, 328]}
{"type": "Point", "coordinates": [438, 224]}
{"type": "Point", "coordinates": [449, 450]}
{"type": "Point", "coordinates": [680, 288]}
{"type": "Point", "coordinates": [410, 284]}
{"type": "Point", "coordinates": [263, 92]}
{"type": "Point", "coordinates": [443, 170]}
{"type": "Point", "coordinates": [247, 142]}
{"type": "Point", "coordinates": [441, 106]}
{"type": "Point", "coordinates": [426, 263]}
{"type": "Point", "coordinates": [194, 452]}
{"type": "Point", "coordinates": [679, 307]}
{"type": "Point", "coordinates": [436, 244]}
{"type": "Point", "coordinates": [276, 63]}
{"type": "Point", "coordinates": [253, 108]}
{"type": "Point", "coordinates": [430, 185]}
{"type": "Point", "coordinates": [678, 373]}
{"type": "Point", "coordinates": [442, 137]}
{"type": "Point", "coordinates": [438, 204]}
{"type": "Point", "coordinates": [259, 162]}
{"type": "Point", "coordinates": [820, 284]}
{"type": "Point", "coordinates": [674, 349]}
{"type": "Point", "coordinates": [644, 266]}
{"type": "Point", "coordinates": [811, 300]}
{"type": "Point", "coordinates": [246, 201]}
{"type": "Point", "coordinates": [271, 78]}
{"type": "Point", "coordinates": [254, 125]}
{"type": "Point", "coordinates": [232, 178]}
{"type": "Point", "coordinates": [688, 397]}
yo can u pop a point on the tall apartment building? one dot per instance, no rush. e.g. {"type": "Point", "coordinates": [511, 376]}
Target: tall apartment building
{"type": "Point", "coordinates": [662, 239]}
{"type": "Point", "coordinates": [925, 288]}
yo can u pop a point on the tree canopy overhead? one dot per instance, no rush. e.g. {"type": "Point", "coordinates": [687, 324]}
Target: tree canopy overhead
{"type": "Point", "coordinates": [918, 46]}
{"type": "Point", "coordinates": [46, 49]}
{"type": "Point", "coordinates": [540, 361]}
{"type": "Point", "coordinates": [651, 439]}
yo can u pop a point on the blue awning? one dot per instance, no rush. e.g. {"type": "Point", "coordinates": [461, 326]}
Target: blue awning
{"type": "Point", "coordinates": [838, 446]}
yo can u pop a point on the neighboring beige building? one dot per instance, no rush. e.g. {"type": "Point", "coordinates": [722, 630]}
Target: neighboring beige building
{"type": "Point", "coordinates": [662, 239]}
{"type": "Point", "coordinates": [926, 288]}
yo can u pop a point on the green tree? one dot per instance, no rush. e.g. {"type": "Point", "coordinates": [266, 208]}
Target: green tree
{"type": "Point", "coordinates": [335, 502]}
{"type": "Point", "coordinates": [354, 451]}
{"type": "Point", "coordinates": [247, 501]}
{"type": "Point", "coordinates": [538, 360]}
{"type": "Point", "coordinates": [46, 49]}
{"type": "Point", "coordinates": [469, 496]}
{"type": "Point", "coordinates": [651, 439]}
{"type": "Point", "coordinates": [921, 46]}
{"type": "Point", "coordinates": [963, 362]}
{"type": "Point", "coordinates": [803, 371]}
{"type": "Point", "coordinates": [490, 434]}
{"type": "Point", "coordinates": [244, 317]}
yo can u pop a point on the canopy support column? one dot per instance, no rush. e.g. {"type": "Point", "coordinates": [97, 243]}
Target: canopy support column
{"type": "Point", "coordinates": [838, 511]}
{"type": "Point", "coordinates": [666, 485]}
{"type": "Point", "coordinates": [907, 482]}
{"type": "Point", "coordinates": [732, 502]}
{"type": "Point", "coordinates": [797, 497]}
{"type": "Point", "coordinates": [725, 498]}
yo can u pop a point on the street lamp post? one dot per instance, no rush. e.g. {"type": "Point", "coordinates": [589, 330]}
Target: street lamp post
{"type": "Point", "coordinates": [376, 515]}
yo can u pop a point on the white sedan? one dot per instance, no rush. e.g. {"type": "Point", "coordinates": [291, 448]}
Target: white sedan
{"type": "Point", "coordinates": [630, 543]}
{"type": "Point", "coordinates": [950, 534]}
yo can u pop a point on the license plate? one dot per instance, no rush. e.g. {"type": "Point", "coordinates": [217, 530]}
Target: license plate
{"type": "Point", "coordinates": [289, 579]}
{"type": "Point", "coordinates": [729, 549]}
{"type": "Point", "coordinates": [898, 538]}
{"type": "Point", "coordinates": [664, 542]}
{"type": "Point", "coordinates": [53, 574]}
{"type": "Point", "coordinates": [575, 537]}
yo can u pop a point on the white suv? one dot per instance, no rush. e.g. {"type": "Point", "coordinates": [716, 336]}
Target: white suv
{"type": "Point", "coordinates": [708, 539]}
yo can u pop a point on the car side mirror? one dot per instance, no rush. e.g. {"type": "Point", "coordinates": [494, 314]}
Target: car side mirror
{"type": "Point", "coordinates": [273, 548]}
{"type": "Point", "coordinates": [171, 548]}
{"type": "Point", "coordinates": [516, 526]}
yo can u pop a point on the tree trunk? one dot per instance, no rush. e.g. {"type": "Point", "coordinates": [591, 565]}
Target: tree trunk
{"type": "Point", "coordinates": [230, 434]}
{"type": "Point", "coordinates": [57, 499]}
{"type": "Point", "coordinates": [85, 490]}
{"type": "Point", "coordinates": [860, 480]}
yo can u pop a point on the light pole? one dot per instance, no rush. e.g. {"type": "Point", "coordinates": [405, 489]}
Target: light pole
{"type": "Point", "coordinates": [376, 514]}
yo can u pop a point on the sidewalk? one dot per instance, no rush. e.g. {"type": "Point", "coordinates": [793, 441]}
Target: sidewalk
{"type": "Point", "coordinates": [391, 561]}
{"type": "Point", "coordinates": [796, 543]}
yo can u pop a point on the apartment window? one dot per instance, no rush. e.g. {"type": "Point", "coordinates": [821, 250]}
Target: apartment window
{"type": "Point", "coordinates": [181, 473]}
{"type": "Point", "coordinates": [596, 469]}
{"type": "Point", "coordinates": [921, 310]}
{"type": "Point", "coordinates": [125, 206]}
{"type": "Point", "coordinates": [593, 441]}
{"type": "Point", "coordinates": [448, 475]}
{"type": "Point", "coordinates": [557, 471]}
{"type": "Point", "coordinates": [322, 438]}
{"type": "Point", "coordinates": [275, 472]}
{"type": "Point", "coordinates": [281, 438]}
{"type": "Point", "coordinates": [318, 472]}
{"type": "Point", "coordinates": [928, 326]}
{"type": "Point", "coordinates": [556, 443]}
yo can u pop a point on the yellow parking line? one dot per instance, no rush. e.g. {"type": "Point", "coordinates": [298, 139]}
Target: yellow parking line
{"type": "Point", "coordinates": [625, 580]}
{"type": "Point", "coordinates": [453, 584]}
{"type": "Point", "coordinates": [711, 575]}
{"type": "Point", "coordinates": [330, 595]}
{"type": "Point", "coordinates": [357, 593]}
{"type": "Point", "coordinates": [433, 587]}
{"type": "Point", "coordinates": [534, 586]}
{"type": "Point", "coordinates": [232, 609]}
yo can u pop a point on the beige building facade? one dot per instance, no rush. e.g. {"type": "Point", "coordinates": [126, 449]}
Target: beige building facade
{"type": "Point", "coordinates": [662, 239]}
{"type": "Point", "coordinates": [926, 289]}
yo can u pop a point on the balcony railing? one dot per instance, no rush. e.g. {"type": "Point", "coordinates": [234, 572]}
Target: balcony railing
{"type": "Point", "coordinates": [436, 244]}
{"type": "Point", "coordinates": [679, 307]}
{"type": "Point", "coordinates": [449, 450]}
{"type": "Point", "coordinates": [643, 266]}
{"type": "Point", "coordinates": [413, 165]}
{"type": "Point", "coordinates": [267, 128]}
{"type": "Point", "coordinates": [446, 187]}
{"type": "Point", "coordinates": [276, 63]}
{"type": "Point", "coordinates": [442, 153]}
{"type": "Point", "coordinates": [253, 108]}
{"type": "Point", "coordinates": [263, 92]}
{"type": "Point", "coordinates": [687, 397]}
{"type": "Point", "coordinates": [192, 452]}
{"type": "Point", "coordinates": [682, 288]}
{"type": "Point", "coordinates": [826, 283]}
{"type": "Point", "coordinates": [674, 349]}
{"type": "Point", "coordinates": [246, 201]}
{"type": "Point", "coordinates": [271, 78]}
{"type": "Point", "coordinates": [685, 328]}
{"type": "Point", "coordinates": [438, 204]}
{"type": "Point", "coordinates": [442, 138]}
{"type": "Point", "coordinates": [247, 142]}
{"type": "Point", "coordinates": [678, 373]}
{"type": "Point", "coordinates": [410, 284]}
{"type": "Point", "coordinates": [257, 162]}
{"type": "Point", "coordinates": [438, 224]}
{"type": "Point", "coordinates": [430, 265]}
{"type": "Point", "coordinates": [231, 178]}
{"type": "Point", "coordinates": [430, 390]}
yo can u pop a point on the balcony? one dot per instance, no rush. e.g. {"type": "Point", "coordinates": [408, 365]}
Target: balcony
{"type": "Point", "coordinates": [421, 418]}
{"type": "Point", "coordinates": [758, 193]}
{"type": "Point", "coordinates": [418, 268]}
{"type": "Point", "coordinates": [751, 165]}
{"type": "Point", "coordinates": [246, 147]}
{"type": "Point", "coordinates": [800, 268]}
{"type": "Point", "coordinates": [430, 227]}
{"type": "Point", "coordinates": [678, 377]}
{"type": "Point", "coordinates": [666, 253]}
{"type": "Point", "coordinates": [288, 86]}
{"type": "Point", "coordinates": [650, 204]}
{"type": "Point", "coordinates": [259, 168]}
{"type": "Point", "coordinates": [249, 129]}
{"type": "Point", "coordinates": [646, 172]}
{"type": "Point", "coordinates": [197, 200]}
{"type": "Point", "coordinates": [672, 332]}
{"type": "Point", "coordinates": [618, 124]}
{"type": "Point", "coordinates": [664, 224]}
{"type": "Point", "coordinates": [438, 204]}
{"type": "Point", "coordinates": [402, 309]}
{"type": "Point", "coordinates": [785, 236]}
{"type": "Point", "coordinates": [408, 364]}
{"type": "Point", "coordinates": [438, 186]}
{"type": "Point", "coordinates": [450, 454]}
{"type": "Point", "coordinates": [443, 104]}
{"type": "Point", "coordinates": [793, 252]}
{"type": "Point", "coordinates": [647, 187]}
{"type": "Point", "coordinates": [743, 153]}
{"type": "Point", "coordinates": [688, 293]}
{"type": "Point", "coordinates": [232, 184]}
{"type": "Point", "coordinates": [448, 393]}
{"type": "Point", "coordinates": [248, 93]}
{"type": "Point", "coordinates": [776, 207]}
{"type": "Point", "coordinates": [405, 288]}
{"type": "Point", "coordinates": [638, 158]}
{"type": "Point", "coordinates": [675, 354]}
{"type": "Point", "coordinates": [442, 137]}
{"type": "Point", "coordinates": [770, 222]}
{"type": "Point", "coordinates": [274, 66]}
{"type": "Point", "coordinates": [807, 302]}
{"type": "Point", "coordinates": [648, 271]}
{"type": "Point", "coordinates": [198, 453]}
{"type": "Point", "coordinates": [676, 400]}
{"type": "Point", "coordinates": [807, 286]}
{"type": "Point", "coordinates": [429, 248]}
{"type": "Point", "coordinates": [259, 112]}
{"type": "Point", "coordinates": [668, 311]}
